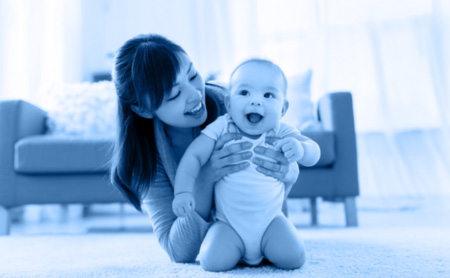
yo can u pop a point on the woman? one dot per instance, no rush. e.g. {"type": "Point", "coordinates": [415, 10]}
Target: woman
{"type": "Point", "coordinates": [162, 106]}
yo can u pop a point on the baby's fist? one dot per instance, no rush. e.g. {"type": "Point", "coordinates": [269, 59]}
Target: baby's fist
{"type": "Point", "coordinates": [183, 204]}
{"type": "Point", "coordinates": [292, 149]}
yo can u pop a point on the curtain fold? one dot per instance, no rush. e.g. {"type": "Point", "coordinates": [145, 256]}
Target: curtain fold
{"type": "Point", "coordinates": [36, 39]}
{"type": "Point", "coordinates": [392, 56]}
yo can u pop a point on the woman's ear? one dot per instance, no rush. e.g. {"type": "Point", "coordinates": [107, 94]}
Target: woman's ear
{"type": "Point", "coordinates": [285, 107]}
{"type": "Point", "coordinates": [141, 113]}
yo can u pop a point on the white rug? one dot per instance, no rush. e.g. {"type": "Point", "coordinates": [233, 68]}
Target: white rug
{"type": "Point", "coordinates": [331, 252]}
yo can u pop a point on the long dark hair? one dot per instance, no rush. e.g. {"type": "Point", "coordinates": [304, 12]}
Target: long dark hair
{"type": "Point", "coordinates": [146, 66]}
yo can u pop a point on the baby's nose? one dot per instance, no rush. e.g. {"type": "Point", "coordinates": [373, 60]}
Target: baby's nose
{"type": "Point", "coordinates": [255, 102]}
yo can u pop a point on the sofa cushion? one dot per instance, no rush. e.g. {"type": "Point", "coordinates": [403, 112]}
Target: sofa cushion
{"type": "Point", "coordinates": [325, 139]}
{"type": "Point", "coordinates": [46, 154]}
{"type": "Point", "coordinates": [49, 154]}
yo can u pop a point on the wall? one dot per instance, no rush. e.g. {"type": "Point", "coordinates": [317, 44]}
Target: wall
{"type": "Point", "coordinates": [107, 24]}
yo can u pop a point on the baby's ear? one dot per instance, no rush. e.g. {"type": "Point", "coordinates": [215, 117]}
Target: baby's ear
{"type": "Point", "coordinates": [285, 107]}
{"type": "Point", "coordinates": [227, 101]}
{"type": "Point", "coordinates": [141, 113]}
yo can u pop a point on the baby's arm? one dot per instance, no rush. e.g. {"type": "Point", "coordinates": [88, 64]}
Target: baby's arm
{"type": "Point", "coordinates": [196, 155]}
{"type": "Point", "coordinates": [297, 147]}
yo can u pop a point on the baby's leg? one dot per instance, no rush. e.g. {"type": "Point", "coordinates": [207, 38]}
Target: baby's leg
{"type": "Point", "coordinates": [221, 249]}
{"type": "Point", "coordinates": [281, 245]}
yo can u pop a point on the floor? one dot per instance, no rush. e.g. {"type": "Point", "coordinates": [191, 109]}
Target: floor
{"type": "Point", "coordinates": [119, 218]}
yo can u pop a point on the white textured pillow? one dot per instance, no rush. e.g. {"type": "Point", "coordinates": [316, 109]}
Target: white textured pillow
{"type": "Point", "coordinates": [85, 109]}
{"type": "Point", "coordinates": [300, 112]}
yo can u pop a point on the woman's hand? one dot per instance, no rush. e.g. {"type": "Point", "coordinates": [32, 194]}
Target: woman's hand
{"type": "Point", "coordinates": [226, 160]}
{"type": "Point", "coordinates": [277, 165]}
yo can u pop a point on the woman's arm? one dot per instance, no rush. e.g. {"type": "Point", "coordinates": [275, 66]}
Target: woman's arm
{"type": "Point", "coordinates": [179, 237]}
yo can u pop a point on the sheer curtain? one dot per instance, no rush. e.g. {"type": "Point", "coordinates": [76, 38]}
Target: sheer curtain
{"type": "Point", "coordinates": [392, 56]}
{"type": "Point", "coordinates": [37, 38]}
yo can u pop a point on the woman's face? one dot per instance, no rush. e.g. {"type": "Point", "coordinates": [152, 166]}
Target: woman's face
{"type": "Point", "coordinates": [184, 106]}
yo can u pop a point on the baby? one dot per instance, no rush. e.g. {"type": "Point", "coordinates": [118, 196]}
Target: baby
{"type": "Point", "coordinates": [248, 203]}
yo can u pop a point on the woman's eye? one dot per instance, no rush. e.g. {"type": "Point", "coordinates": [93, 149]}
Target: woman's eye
{"type": "Point", "coordinates": [269, 95]}
{"type": "Point", "coordinates": [175, 96]}
{"type": "Point", "coordinates": [243, 92]}
{"type": "Point", "coordinates": [193, 77]}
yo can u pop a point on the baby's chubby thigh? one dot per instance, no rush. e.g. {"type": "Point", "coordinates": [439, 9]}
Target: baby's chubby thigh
{"type": "Point", "coordinates": [221, 249]}
{"type": "Point", "coordinates": [282, 245]}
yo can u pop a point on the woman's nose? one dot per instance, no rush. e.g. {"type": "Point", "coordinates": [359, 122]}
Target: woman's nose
{"type": "Point", "coordinates": [194, 94]}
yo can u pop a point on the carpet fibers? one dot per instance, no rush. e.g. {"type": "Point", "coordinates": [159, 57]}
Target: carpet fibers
{"type": "Point", "coordinates": [339, 252]}
{"type": "Point", "coordinates": [394, 239]}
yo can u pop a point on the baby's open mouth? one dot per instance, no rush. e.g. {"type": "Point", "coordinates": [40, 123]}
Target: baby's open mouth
{"type": "Point", "coordinates": [254, 118]}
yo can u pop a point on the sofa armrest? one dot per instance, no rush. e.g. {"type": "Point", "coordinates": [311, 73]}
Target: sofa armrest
{"type": "Point", "coordinates": [335, 112]}
{"type": "Point", "coordinates": [18, 119]}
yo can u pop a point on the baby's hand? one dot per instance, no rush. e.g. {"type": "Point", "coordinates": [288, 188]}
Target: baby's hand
{"type": "Point", "coordinates": [292, 149]}
{"type": "Point", "coordinates": [183, 204]}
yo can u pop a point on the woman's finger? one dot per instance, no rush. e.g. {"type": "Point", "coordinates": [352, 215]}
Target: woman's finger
{"type": "Point", "coordinates": [271, 139]}
{"type": "Point", "coordinates": [233, 148]}
{"type": "Point", "coordinates": [178, 212]}
{"type": "Point", "coordinates": [225, 138]}
{"type": "Point", "coordinates": [276, 155]}
{"type": "Point", "coordinates": [269, 165]}
{"type": "Point", "coordinates": [230, 169]}
{"type": "Point", "coordinates": [280, 174]}
{"type": "Point", "coordinates": [234, 168]}
{"type": "Point", "coordinates": [275, 174]}
{"type": "Point", "coordinates": [233, 159]}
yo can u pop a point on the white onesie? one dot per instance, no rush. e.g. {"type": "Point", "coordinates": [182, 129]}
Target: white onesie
{"type": "Point", "coordinates": [248, 200]}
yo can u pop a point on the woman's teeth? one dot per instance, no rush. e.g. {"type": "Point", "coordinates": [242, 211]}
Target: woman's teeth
{"type": "Point", "coordinates": [195, 109]}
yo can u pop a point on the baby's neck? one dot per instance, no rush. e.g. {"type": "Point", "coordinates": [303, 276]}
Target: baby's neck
{"type": "Point", "coordinates": [254, 137]}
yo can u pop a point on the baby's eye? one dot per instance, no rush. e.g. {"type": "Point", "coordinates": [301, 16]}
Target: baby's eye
{"type": "Point", "coordinates": [243, 92]}
{"type": "Point", "coordinates": [269, 95]}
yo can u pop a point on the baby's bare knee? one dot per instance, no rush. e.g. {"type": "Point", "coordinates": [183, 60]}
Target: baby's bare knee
{"type": "Point", "coordinates": [282, 246]}
{"type": "Point", "coordinates": [221, 249]}
{"type": "Point", "coordinates": [215, 263]}
{"type": "Point", "coordinates": [293, 260]}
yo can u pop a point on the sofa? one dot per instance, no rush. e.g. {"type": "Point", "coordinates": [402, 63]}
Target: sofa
{"type": "Point", "coordinates": [41, 168]}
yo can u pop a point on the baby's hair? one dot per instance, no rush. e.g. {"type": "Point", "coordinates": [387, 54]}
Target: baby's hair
{"type": "Point", "coordinates": [262, 62]}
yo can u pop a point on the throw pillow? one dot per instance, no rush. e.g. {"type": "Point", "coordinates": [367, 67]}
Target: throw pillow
{"type": "Point", "coordinates": [84, 109]}
{"type": "Point", "coordinates": [300, 112]}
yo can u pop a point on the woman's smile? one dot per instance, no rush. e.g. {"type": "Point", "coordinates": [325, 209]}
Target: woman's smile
{"type": "Point", "coordinates": [197, 111]}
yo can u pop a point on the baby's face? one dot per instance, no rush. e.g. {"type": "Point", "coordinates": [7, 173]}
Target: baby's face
{"type": "Point", "coordinates": [256, 101]}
